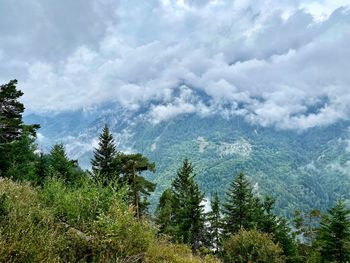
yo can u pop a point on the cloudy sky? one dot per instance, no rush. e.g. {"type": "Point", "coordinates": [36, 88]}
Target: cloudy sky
{"type": "Point", "coordinates": [276, 63]}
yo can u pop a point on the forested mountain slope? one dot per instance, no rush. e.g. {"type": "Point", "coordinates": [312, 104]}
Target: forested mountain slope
{"type": "Point", "coordinates": [305, 169]}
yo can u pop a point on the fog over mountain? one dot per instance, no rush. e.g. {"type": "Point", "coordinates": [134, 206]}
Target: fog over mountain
{"type": "Point", "coordinates": [280, 64]}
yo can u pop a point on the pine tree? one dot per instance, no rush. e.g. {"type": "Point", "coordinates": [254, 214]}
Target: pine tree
{"type": "Point", "coordinates": [165, 213]}
{"type": "Point", "coordinates": [215, 223]}
{"type": "Point", "coordinates": [189, 216]}
{"type": "Point", "coordinates": [10, 112]}
{"type": "Point", "coordinates": [278, 228]}
{"type": "Point", "coordinates": [61, 166]}
{"type": "Point", "coordinates": [334, 234]}
{"type": "Point", "coordinates": [22, 158]}
{"type": "Point", "coordinates": [103, 163]}
{"type": "Point", "coordinates": [131, 166]}
{"type": "Point", "coordinates": [306, 226]}
{"type": "Point", "coordinates": [14, 133]}
{"type": "Point", "coordinates": [240, 208]}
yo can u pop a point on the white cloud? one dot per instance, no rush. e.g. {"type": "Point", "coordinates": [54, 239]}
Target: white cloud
{"type": "Point", "coordinates": [276, 63]}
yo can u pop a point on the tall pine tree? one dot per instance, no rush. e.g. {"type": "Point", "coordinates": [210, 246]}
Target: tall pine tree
{"type": "Point", "coordinates": [60, 165]}
{"type": "Point", "coordinates": [240, 208]}
{"type": "Point", "coordinates": [215, 224]}
{"type": "Point", "coordinates": [11, 110]}
{"type": "Point", "coordinates": [165, 213]}
{"type": "Point", "coordinates": [13, 133]}
{"type": "Point", "coordinates": [189, 216]}
{"type": "Point", "coordinates": [334, 234]}
{"type": "Point", "coordinates": [103, 163]}
{"type": "Point", "coordinates": [131, 167]}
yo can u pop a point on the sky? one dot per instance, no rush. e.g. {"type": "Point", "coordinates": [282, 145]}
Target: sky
{"type": "Point", "coordinates": [282, 64]}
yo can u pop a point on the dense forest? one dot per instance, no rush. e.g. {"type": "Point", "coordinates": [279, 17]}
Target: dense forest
{"type": "Point", "coordinates": [53, 211]}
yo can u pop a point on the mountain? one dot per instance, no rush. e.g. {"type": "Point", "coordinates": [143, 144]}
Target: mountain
{"type": "Point", "coordinates": [304, 170]}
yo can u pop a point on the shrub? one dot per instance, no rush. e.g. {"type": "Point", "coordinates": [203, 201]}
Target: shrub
{"type": "Point", "coordinates": [28, 232]}
{"type": "Point", "coordinates": [89, 223]}
{"type": "Point", "coordinates": [163, 251]}
{"type": "Point", "coordinates": [78, 205]}
{"type": "Point", "coordinates": [252, 246]}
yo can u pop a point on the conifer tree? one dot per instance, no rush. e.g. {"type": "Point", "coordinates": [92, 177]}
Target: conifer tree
{"type": "Point", "coordinates": [277, 227]}
{"type": "Point", "coordinates": [334, 234]}
{"type": "Point", "coordinates": [131, 167]}
{"type": "Point", "coordinates": [13, 132]}
{"type": "Point", "coordinates": [215, 223]}
{"type": "Point", "coordinates": [189, 216]}
{"type": "Point", "coordinates": [60, 164]}
{"type": "Point", "coordinates": [165, 213]}
{"type": "Point", "coordinates": [103, 162]}
{"type": "Point", "coordinates": [22, 158]}
{"type": "Point", "coordinates": [240, 208]}
{"type": "Point", "coordinates": [11, 110]}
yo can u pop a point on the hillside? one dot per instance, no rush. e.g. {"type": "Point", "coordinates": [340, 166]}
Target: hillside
{"type": "Point", "coordinates": [308, 169]}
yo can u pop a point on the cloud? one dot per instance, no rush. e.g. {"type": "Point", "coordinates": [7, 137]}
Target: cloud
{"type": "Point", "coordinates": [275, 63]}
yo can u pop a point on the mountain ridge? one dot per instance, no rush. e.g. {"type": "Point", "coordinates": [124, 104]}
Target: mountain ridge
{"type": "Point", "coordinates": [307, 169]}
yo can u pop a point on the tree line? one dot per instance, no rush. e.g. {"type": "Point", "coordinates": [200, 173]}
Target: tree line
{"type": "Point", "coordinates": [242, 227]}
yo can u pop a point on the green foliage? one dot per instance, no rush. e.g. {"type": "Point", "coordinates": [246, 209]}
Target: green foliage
{"type": "Point", "coordinates": [10, 112]}
{"type": "Point", "coordinates": [103, 164]}
{"type": "Point", "coordinates": [215, 224]}
{"type": "Point", "coordinates": [60, 165]}
{"type": "Point", "coordinates": [21, 158]}
{"type": "Point", "coordinates": [334, 234]}
{"type": "Point", "coordinates": [76, 205]}
{"type": "Point", "coordinates": [188, 208]}
{"type": "Point", "coordinates": [16, 139]}
{"type": "Point", "coordinates": [306, 170]}
{"type": "Point", "coordinates": [306, 228]}
{"type": "Point", "coordinates": [64, 216]}
{"type": "Point", "coordinates": [131, 167]}
{"type": "Point", "coordinates": [165, 213]}
{"type": "Point", "coordinates": [252, 246]}
{"type": "Point", "coordinates": [42, 168]}
{"type": "Point", "coordinates": [28, 232]}
{"type": "Point", "coordinates": [85, 223]}
{"type": "Point", "coordinates": [243, 210]}
{"type": "Point", "coordinates": [165, 252]}
{"type": "Point", "coordinates": [240, 207]}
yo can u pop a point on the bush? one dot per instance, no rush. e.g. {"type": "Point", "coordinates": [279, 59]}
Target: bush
{"type": "Point", "coordinates": [78, 205]}
{"type": "Point", "coordinates": [117, 234]}
{"type": "Point", "coordinates": [163, 251]}
{"type": "Point", "coordinates": [28, 232]}
{"type": "Point", "coordinates": [59, 223]}
{"type": "Point", "coordinates": [252, 246]}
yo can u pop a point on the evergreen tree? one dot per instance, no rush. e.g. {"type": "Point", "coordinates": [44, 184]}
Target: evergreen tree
{"type": "Point", "coordinates": [103, 162]}
{"type": "Point", "coordinates": [282, 234]}
{"type": "Point", "coordinates": [306, 227]}
{"type": "Point", "coordinates": [61, 166]}
{"type": "Point", "coordinates": [215, 223]}
{"type": "Point", "coordinates": [334, 234]}
{"type": "Point", "coordinates": [21, 158]}
{"type": "Point", "coordinates": [165, 213]}
{"type": "Point", "coordinates": [240, 208]}
{"type": "Point", "coordinates": [189, 216]}
{"type": "Point", "coordinates": [14, 133]}
{"type": "Point", "coordinates": [277, 227]}
{"type": "Point", "coordinates": [131, 166]}
{"type": "Point", "coordinates": [10, 112]}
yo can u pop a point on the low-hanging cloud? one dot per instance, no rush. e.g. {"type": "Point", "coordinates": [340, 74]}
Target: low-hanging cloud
{"type": "Point", "coordinates": [275, 63]}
